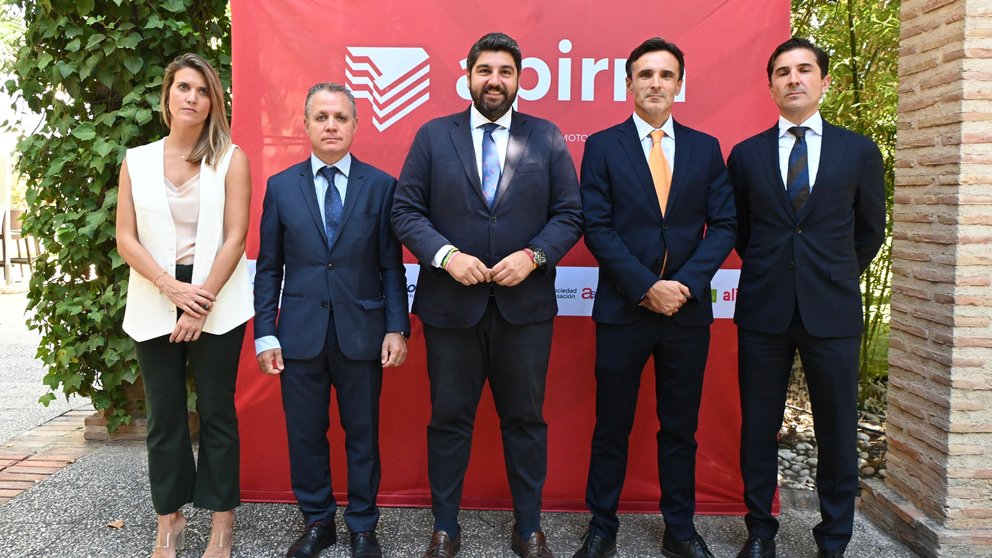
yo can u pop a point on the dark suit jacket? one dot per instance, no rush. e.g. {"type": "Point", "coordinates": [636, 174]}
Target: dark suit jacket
{"type": "Point", "coordinates": [362, 277]}
{"type": "Point", "coordinates": [439, 201]}
{"type": "Point", "coordinates": [814, 258]}
{"type": "Point", "coordinates": [625, 230]}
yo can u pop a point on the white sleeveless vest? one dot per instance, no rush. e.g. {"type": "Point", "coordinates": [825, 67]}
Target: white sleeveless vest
{"type": "Point", "coordinates": [149, 313]}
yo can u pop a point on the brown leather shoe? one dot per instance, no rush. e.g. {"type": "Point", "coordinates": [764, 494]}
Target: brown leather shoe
{"type": "Point", "coordinates": [442, 545]}
{"type": "Point", "coordinates": [533, 547]}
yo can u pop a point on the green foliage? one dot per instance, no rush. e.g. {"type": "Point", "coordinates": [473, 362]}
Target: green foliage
{"type": "Point", "coordinates": [862, 38]}
{"type": "Point", "coordinates": [94, 70]}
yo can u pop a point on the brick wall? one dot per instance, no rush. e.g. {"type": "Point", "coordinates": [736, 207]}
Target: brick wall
{"type": "Point", "coordinates": [940, 356]}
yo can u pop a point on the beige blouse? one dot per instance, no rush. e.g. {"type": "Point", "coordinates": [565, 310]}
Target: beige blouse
{"type": "Point", "coordinates": [184, 204]}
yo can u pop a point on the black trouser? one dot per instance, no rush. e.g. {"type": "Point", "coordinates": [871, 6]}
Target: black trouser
{"type": "Point", "coordinates": [830, 365]}
{"type": "Point", "coordinates": [514, 359]}
{"type": "Point", "coordinates": [212, 482]}
{"type": "Point", "coordinates": [679, 362]}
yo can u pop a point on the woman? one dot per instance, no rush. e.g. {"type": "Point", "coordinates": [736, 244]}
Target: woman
{"type": "Point", "coordinates": [182, 218]}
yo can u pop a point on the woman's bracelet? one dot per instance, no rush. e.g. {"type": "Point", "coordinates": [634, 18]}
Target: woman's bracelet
{"type": "Point", "coordinates": [157, 277]}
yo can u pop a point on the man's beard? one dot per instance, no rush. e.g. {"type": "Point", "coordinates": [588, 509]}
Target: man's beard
{"type": "Point", "coordinates": [493, 111]}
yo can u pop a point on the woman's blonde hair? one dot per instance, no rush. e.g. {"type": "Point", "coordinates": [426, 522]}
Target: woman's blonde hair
{"type": "Point", "coordinates": [216, 135]}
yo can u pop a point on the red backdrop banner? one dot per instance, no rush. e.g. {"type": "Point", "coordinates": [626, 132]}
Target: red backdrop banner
{"type": "Point", "coordinates": [405, 63]}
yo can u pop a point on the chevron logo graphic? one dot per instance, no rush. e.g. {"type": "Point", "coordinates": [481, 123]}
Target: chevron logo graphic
{"type": "Point", "coordinates": [393, 79]}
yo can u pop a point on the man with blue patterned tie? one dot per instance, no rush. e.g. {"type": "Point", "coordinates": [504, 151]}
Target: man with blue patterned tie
{"type": "Point", "coordinates": [488, 201]}
{"type": "Point", "coordinates": [810, 201]}
{"type": "Point", "coordinates": [325, 230]}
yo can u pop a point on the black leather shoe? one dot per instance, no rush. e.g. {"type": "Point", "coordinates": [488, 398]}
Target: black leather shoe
{"type": "Point", "coordinates": [365, 545]}
{"type": "Point", "coordinates": [756, 547]}
{"type": "Point", "coordinates": [829, 553]}
{"type": "Point", "coordinates": [442, 545]}
{"type": "Point", "coordinates": [692, 548]}
{"type": "Point", "coordinates": [317, 537]}
{"type": "Point", "coordinates": [596, 546]}
{"type": "Point", "coordinates": [534, 547]}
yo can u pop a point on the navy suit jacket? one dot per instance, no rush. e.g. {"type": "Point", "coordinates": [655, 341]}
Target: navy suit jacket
{"type": "Point", "coordinates": [361, 278]}
{"type": "Point", "coordinates": [812, 259]}
{"type": "Point", "coordinates": [626, 233]}
{"type": "Point", "coordinates": [439, 201]}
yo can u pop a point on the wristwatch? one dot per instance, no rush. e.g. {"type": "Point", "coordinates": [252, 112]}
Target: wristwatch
{"type": "Point", "coordinates": [403, 334]}
{"type": "Point", "coordinates": [540, 258]}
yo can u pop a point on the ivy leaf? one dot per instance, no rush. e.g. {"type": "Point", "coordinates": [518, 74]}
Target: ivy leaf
{"type": "Point", "coordinates": [85, 131]}
{"type": "Point", "coordinates": [174, 6]}
{"type": "Point", "coordinates": [133, 63]}
{"type": "Point", "coordinates": [43, 61]}
{"type": "Point", "coordinates": [94, 40]}
{"type": "Point", "coordinates": [143, 116]}
{"type": "Point", "coordinates": [84, 6]}
{"type": "Point", "coordinates": [73, 45]}
{"type": "Point", "coordinates": [131, 40]}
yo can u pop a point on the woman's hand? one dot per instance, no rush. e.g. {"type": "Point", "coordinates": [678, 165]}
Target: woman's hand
{"type": "Point", "coordinates": [193, 300]}
{"type": "Point", "coordinates": [187, 329]}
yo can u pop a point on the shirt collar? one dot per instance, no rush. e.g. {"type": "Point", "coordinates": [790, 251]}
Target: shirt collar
{"type": "Point", "coordinates": [476, 119]}
{"type": "Point", "coordinates": [644, 129]}
{"type": "Point", "coordinates": [814, 123]}
{"type": "Point", "coordinates": [343, 165]}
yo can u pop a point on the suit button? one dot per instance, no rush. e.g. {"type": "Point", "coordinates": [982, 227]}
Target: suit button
{"type": "Point", "coordinates": [493, 219]}
{"type": "Point", "coordinates": [799, 230]}
{"type": "Point", "coordinates": [664, 226]}
{"type": "Point", "coordinates": [792, 265]}
{"type": "Point", "coordinates": [330, 266]}
{"type": "Point", "coordinates": [324, 304]}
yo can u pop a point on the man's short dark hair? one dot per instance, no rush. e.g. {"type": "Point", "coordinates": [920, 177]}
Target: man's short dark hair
{"type": "Point", "coordinates": [822, 58]}
{"type": "Point", "coordinates": [494, 42]}
{"type": "Point", "coordinates": [651, 45]}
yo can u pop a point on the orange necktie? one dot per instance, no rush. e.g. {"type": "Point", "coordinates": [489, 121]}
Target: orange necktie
{"type": "Point", "coordinates": [661, 173]}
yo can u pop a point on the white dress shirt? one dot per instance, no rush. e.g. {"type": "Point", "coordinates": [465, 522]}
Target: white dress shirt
{"type": "Point", "coordinates": [667, 143]}
{"type": "Point", "coordinates": [814, 140]}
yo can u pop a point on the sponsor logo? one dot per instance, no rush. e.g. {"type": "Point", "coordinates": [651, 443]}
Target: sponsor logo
{"type": "Point", "coordinates": [393, 79]}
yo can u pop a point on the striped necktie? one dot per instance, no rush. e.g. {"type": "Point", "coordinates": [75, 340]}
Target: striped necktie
{"type": "Point", "coordinates": [797, 179]}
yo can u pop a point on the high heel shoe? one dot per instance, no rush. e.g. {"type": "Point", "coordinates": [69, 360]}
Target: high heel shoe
{"type": "Point", "coordinates": [221, 539]}
{"type": "Point", "coordinates": [169, 541]}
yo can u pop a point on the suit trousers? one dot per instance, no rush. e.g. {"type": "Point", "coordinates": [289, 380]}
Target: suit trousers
{"type": "Point", "coordinates": [831, 368]}
{"type": "Point", "coordinates": [679, 363]}
{"type": "Point", "coordinates": [306, 398]}
{"type": "Point", "coordinates": [212, 482]}
{"type": "Point", "coordinates": [514, 359]}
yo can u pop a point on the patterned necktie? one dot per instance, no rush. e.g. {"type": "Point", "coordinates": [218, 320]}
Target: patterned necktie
{"type": "Point", "coordinates": [333, 206]}
{"type": "Point", "coordinates": [661, 173]}
{"type": "Point", "coordinates": [797, 179]}
{"type": "Point", "coordinates": [490, 163]}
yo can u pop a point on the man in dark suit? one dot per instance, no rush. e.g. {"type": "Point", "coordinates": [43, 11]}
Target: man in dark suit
{"type": "Point", "coordinates": [343, 317]}
{"type": "Point", "coordinates": [811, 216]}
{"type": "Point", "coordinates": [488, 201]}
{"type": "Point", "coordinates": [659, 218]}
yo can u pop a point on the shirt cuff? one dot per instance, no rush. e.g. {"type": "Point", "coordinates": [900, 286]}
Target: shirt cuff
{"type": "Point", "coordinates": [439, 257]}
{"type": "Point", "coordinates": [266, 343]}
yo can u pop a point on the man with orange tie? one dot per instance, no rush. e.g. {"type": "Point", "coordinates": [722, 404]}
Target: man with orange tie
{"type": "Point", "coordinates": [659, 218]}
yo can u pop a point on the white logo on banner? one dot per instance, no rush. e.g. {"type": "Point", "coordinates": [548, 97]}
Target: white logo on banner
{"type": "Point", "coordinates": [393, 79]}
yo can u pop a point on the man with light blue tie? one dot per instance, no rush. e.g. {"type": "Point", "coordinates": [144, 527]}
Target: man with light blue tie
{"type": "Point", "coordinates": [488, 201]}
{"type": "Point", "coordinates": [325, 230]}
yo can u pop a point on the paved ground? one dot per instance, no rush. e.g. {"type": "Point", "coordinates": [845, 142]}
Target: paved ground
{"type": "Point", "coordinates": [67, 511]}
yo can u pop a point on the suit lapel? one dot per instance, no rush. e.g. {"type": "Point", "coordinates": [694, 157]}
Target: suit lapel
{"type": "Point", "coordinates": [774, 181]}
{"type": "Point", "coordinates": [461, 139]}
{"type": "Point", "coordinates": [684, 150]}
{"type": "Point", "coordinates": [831, 151]}
{"type": "Point", "coordinates": [356, 189]}
{"type": "Point", "coordinates": [519, 133]}
{"type": "Point", "coordinates": [631, 145]}
{"type": "Point", "coordinates": [309, 192]}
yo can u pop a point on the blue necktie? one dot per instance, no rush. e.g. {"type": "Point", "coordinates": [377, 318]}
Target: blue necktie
{"type": "Point", "coordinates": [490, 163]}
{"type": "Point", "coordinates": [333, 207]}
{"type": "Point", "coordinates": [797, 179]}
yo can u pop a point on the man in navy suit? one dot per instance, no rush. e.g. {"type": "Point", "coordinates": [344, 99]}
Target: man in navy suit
{"type": "Point", "coordinates": [659, 218]}
{"type": "Point", "coordinates": [488, 201]}
{"type": "Point", "coordinates": [810, 203]}
{"type": "Point", "coordinates": [325, 231]}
